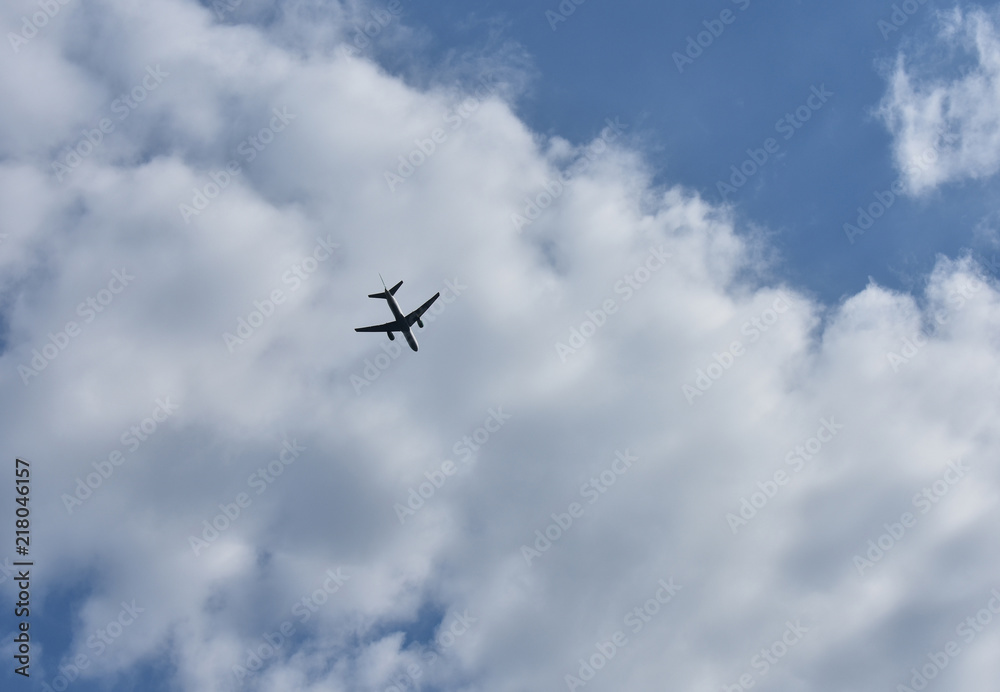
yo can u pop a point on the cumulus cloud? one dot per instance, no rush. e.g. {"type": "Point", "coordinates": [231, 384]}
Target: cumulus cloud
{"type": "Point", "coordinates": [620, 459]}
{"type": "Point", "coordinates": [947, 128]}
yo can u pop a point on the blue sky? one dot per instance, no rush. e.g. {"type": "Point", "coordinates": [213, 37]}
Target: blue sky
{"type": "Point", "coordinates": [615, 60]}
{"type": "Point", "coordinates": [657, 432]}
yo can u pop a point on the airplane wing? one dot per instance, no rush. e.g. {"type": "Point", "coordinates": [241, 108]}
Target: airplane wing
{"type": "Point", "coordinates": [415, 315]}
{"type": "Point", "coordinates": [387, 327]}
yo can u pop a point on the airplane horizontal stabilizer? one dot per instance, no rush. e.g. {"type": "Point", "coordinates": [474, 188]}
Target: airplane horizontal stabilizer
{"type": "Point", "coordinates": [385, 295]}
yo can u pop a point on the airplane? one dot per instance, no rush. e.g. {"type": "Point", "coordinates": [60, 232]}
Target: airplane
{"type": "Point", "coordinates": [401, 323]}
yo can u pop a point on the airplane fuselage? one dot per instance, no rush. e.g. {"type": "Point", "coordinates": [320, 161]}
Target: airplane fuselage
{"type": "Point", "coordinates": [400, 322]}
{"type": "Point", "coordinates": [398, 314]}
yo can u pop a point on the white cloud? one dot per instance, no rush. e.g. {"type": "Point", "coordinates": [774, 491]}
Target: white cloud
{"type": "Point", "coordinates": [947, 129]}
{"type": "Point", "coordinates": [495, 346]}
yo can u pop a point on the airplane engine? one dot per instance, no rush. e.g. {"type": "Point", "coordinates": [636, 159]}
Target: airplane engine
{"type": "Point", "coordinates": [420, 323]}
{"type": "Point", "coordinates": [392, 337]}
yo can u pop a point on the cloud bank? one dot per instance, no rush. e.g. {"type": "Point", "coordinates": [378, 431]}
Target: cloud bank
{"type": "Point", "coordinates": [626, 455]}
{"type": "Point", "coordinates": [947, 128]}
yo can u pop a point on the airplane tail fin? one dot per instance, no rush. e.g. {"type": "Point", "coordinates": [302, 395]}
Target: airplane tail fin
{"type": "Point", "coordinates": [387, 292]}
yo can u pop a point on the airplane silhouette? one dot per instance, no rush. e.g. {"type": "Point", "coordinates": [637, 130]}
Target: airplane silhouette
{"type": "Point", "coordinates": [402, 323]}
